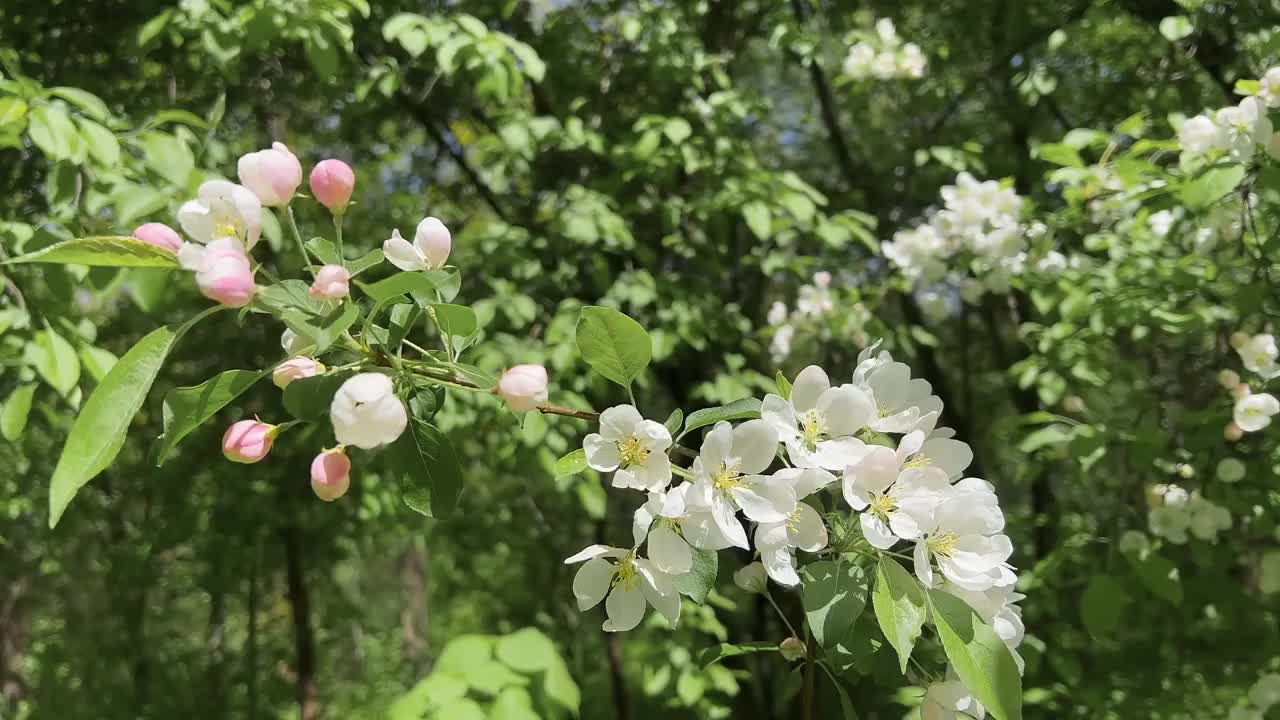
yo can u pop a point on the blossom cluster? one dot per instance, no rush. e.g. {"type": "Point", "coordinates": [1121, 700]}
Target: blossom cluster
{"type": "Point", "coordinates": [1252, 411]}
{"type": "Point", "coordinates": [1238, 130]}
{"type": "Point", "coordinates": [815, 302]}
{"type": "Point", "coordinates": [830, 439]}
{"type": "Point", "coordinates": [979, 223]}
{"type": "Point", "coordinates": [224, 223]}
{"type": "Point", "coordinates": [883, 56]}
{"type": "Point", "coordinates": [1175, 512]}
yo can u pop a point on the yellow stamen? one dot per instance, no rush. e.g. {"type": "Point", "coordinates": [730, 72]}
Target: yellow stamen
{"type": "Point", "coordinates": [882, 505]}
{"type": "Point", "coordinates": [812, 430]}
{"type": "Point", "coordinates": [633, 452]}
{"type": "Point", "coordinates": [918, 460]}
{"type": "Point", "coordinates": [943, 544]}
{"type": "Point", "coordinates": [225, 230]}
{"type": "Point", "coordinates": [727, 478]}
{"type": "Point", "coordinates": [625, 573]}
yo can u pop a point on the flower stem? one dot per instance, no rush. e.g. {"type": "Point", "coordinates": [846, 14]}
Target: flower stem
{"type": "Point", "coordinates": [293, 225]}
{"type": "Point", "coordinates": [337, 229]}
{"type": "Point", "coordinates": [785, 621]}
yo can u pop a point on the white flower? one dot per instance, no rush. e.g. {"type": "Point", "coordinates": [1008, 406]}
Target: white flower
{"type": "Point", "coordinates": [668, 549]}
{"type": "Point", "coordinates": [1200, 134]}
{"type": "Point", "coordinates": [1230, 470]}
{"type": "Point", "coordinates": [887, 33]}
{"type": "Point", "coordinates": [950, 700]}
{"type": "Point", "coordinates": [222, 209]}
{"type": "Point", "coordinates": [1269, 87]}
{"type": "Point", "coordinates": [964, 536]}
{"type": "Point", "coordinates": [1259, 355]}
{"type": "Point", "coordinates": [780, 346]}
{"type": "Point", "coordinates": [727, 472]}
{"type": "Point", "coordinates": [897, 502]}
{"type": "Point", "coordinates": [428, 251]}
{"type": "Point", "coordinates": [630, 582]}
{"type": "Point", "coordinates": [885, 66]}
{"type": "Point", "coordinates": [803, 528]}
{"type": "Point", "coordinates": [751, 578]}
{"type": "Point", "coordinates": [903, 404]}
{"type": "Point", "coordinates": [636, 448]}
{"type": "Point", "coordinates": [1160, 223]}
{"type": "Point", "coordinates": [366, 412]}
{"type": "Point", "coordinates": [857, 64]}
{"type": "Point", "coordinates": [1244, 127]}
{"type": "Point", "coordinates": [777, 313]}
{"type": "Point", "coordinates": [817, 423]}
{"type": "Point", "coordinates": [1133, 542]}
{"type": "Point", "coordinates": [1253, 412]}
{"type": "Point", "coordinates": [911, 61]}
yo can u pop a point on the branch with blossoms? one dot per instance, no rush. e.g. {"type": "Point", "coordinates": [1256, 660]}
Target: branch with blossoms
{"type": "Point", "coordinates": [781, 478]}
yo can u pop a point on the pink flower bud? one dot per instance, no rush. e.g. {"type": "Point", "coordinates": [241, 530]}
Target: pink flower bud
{"type": "Point", "coordinates": [333, 282]}
{"type": "Point", "coordinates": [1241, 391]}
{"type": "Point", "coordinates": [248, 441]}
{"type": "Point", "coordinates": [1239, 339]}
{"type": "Point", "coordinates": [160, 235]}
{"type": "Point", "coordinates": [433, 238]}
{"type": "Point", "coordinates": [523, 387]}
{"type": "Point", "coordinates": [1232, 432]}
{"type": "Point", "coordinates": [295, 369]}
{"type": "Point", "coordinates": [224, 274]}
{"type": "Point", "coordinates": [1228, 379]}
{"type": "Point", "coordinates": [331, 183]}
{"type": "Point", "coordinates": [273, 174]}
{"type": "Point", "coordinates": [331, 474]}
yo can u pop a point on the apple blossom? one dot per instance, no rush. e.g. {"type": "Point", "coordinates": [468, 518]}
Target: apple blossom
{"type": "Point", "coordinates": [629, 582]}
{"type": "Point", "coordinates": [964, 534]}
{"type": "Point", "coordinates": [1253, 412]}
{"type": "Point", "coordinates": [633, 447]}
{"type": "Point", "coordinates": [1244, 127]}
{"type": "Point", "coordinates": [428, 251]}
{"type": "Point", "coordinates": [817, 423]}
{"type": "Point", "coordinates": [727, 472]}
{"type": "Point", "coordinates": [523, 387]}
{"type": "Point", "coordinates": [295, 368]}
{"type": "Point", "coordinates": [1269, 87]}
{"type": "Point", "coordinates": [332, 182]}
{"type": "Point", "coordinates": [1200, 135]}
{"type": "Point", "coordinates": [160, 235]}
{"type": "Point", "coordinates": [1241, 391]}
{"type": "Point", "coordinates": [225, 275]}
{"type": "Point", "coordinates": [365, 412]}
{"type": "Point", "coordinates": [1228, 379]}
{"type": "Point", "coordinates": [273, 174]}
{"type": "Point", "coordinates": [222, 209]}
{"type": "Point", "coordinates": [333, 282]}
{"type": "Point", "coordinates": [897, 501]}
{"type": "Point", "coordinates": [903, 404]}
{"type": "Point", "coordinates": [248, 441]}
{"type": "Point", "coordinates": [1258, 355]}
{"type": "Point", "coordinates": [802, 529]}
{"type": "Point", "coordinates": [331, 474]}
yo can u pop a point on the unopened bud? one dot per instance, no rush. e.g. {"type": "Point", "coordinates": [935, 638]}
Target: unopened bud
{"type": "Point", "coordinates": [1239, 339]}
{"type": "Point", "coordinates": [248, 441]}
{"type": "Point", "coordinates": [1232, 432]}
{"type": "Point", "coordinates": [331, 474]}
{"type": "Point", "coordinates": [1241, 391]}
{"type": "Point", "coordinates": [333, 282]}
{"type": "Point", "coordinates": [332, 182]}
{"type": "Point", "coordinates": [523, 387]}
{"type": "Point", "coordinates": [792, 649]}
{"type": "Point", "coordinates": [160, 235]}
{"type": "Point", "coordinates": [295, 369]}
{"type": "Point", "coordinates": [1228, 379]}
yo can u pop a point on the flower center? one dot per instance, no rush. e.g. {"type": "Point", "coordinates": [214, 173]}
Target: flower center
{"type": "Point", "coordinates": [625, 574]}
{"type": "Point", "coordinates": [726, 478]}
{"type": "Point", "coordinates": [226, 230]}
{"type": "Point", "coordinates": [883, 410]}
{"type": "Point", "coordinates": [633, 452]}
{"type": "Point", "coordinates": [918, 460]}
{"type": "Point", "coordinates": [943, 544]}
{"type": "Point", "coordinates": [812, 430]}
{"type": "Point", "coordinates": [882, 505]}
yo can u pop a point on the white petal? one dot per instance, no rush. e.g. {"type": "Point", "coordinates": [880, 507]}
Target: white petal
{"type": "Point", "coordinates": [770, 534]}
{"type": "Point", "coordinates": [602, 454]}
{"type": "Point", "coordinates": [654, 475]}
{"type": "Point", "coordinates": [924, 570]}
{"type": "Point", "coordinates": [806, 481]}
{"type": "Point", "coordinates": [674, 503]}
{"type": "Point", "coordinates": [755, 443]}
{"type": "Point", "coordinates": [640, 523]}
{"type": "Point", "coordinates": [888, 383]}
{"type": "Point", "coordinates": [874, 472]}
{"type": "Point", "coordinates": [765, 500]}
{"type": "Point", "coordinates": [876, 532]}
{"type": "Point", "coordinates": [780, 565]}
{"type": "Point", "coordinates": [950, 455]}
{"type": "Point", "coordinates": [727, 521]}
{"type": "Point", "coordinates": [653, 435]}
{"type": "Point", "coordinates": [659, 591]}
{"type": "Point", "coordinates": [595, 551]}
{"type": "Point", "coordinates": [591, 583]}
{"type": "Point", "coordinates": [701, 531]}
{"type": "Point", "coordinates": [625, 608]}
{"type": "Point", "coordinates": [846, 410]}
{"type": "Point", "coordinates": [780, 416]}
{"type": "Point", "coordinates": [619, 422]}
{"type": "Point", "coordinates": [669, 552]}
{"type": "Point", "coordinates": [909, 445]}
{"type": "Point", "coordinates": [808, 387]}
{"type": "Point", "coordinates": [196, 221]}
{"type": "Point", "coordinates": [839, 453]}
{"type": "Point", "coordinates": [807, 531]}
{"type": "Point", "coordinates": [717, 447]}
{"type": "Point", "coordinates": [402, 254]}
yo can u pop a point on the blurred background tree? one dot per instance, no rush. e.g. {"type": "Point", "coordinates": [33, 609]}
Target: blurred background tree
{"type": "Point", "coordinates": [686, 162]}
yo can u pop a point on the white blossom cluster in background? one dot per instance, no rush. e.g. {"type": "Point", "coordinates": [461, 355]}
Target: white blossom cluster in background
{"type": "Point", "coordinates": [814, 303]}
{"type": "Point", "coordinates": [883, 56]}
{"type": "Point", "coordinates": [1220, 222]}
{"type": "Point", "coordinates": [1252, 411]}
{"type": "Point", "coordinates": [980, 223]}
{"type": "Point", "coordinates": [1175, 512]}
{"type": "Point", "coordinates": [1237, 130]}
{"type": "Point", "coordinates": [910, 490]}
{"type": "Point", "coordinates": [1264, 695]}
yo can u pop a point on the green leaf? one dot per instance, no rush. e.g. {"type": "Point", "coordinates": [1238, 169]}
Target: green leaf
{"type": "Point", "coordinates": [571, 464]}
{"type": "Point", "coordinates": [1176, 27]}
{"type": "Point", "coordinates": [526, 650]}
{"type": "Point", "coordinates": [1102, 605]}
{"type": "Point", "coordinates": [459, 322]}
{"type": "Point", "coordinates": [187, 408]}
{"type": "Point", "coordinates": [614, 345]}
{"type": "Point", "coordinates": [51, 130]}
{"type": "Point", "coordinates": [677, 130]}
{"type": "Point", "coordinates": [1212, 186]}
{"type": "Point", "coordinates": [899, 603]}
{"type": "Point", "coordinates": [102, 252]}
{"type": "Point", "coordinates": [1160, 576]}
{"type": "Point", "coordinates": [288, 295]}
{"type": "Point", "coordinates": [359, 265]}
{"type": "Point", "coordinates": [698, 582]}
{"type": "Point", "coordinates": [674, 421]}
{"type": "Point", "coordinates": [97, 361]}
{"type": "Point", "coordinates": [87, 102]}
{"type": "Point", "coordinates": [99, 430]}
{"type": "Point", "coordinates": [980, 658]}
{"type": "Point", "coordinates": [103, 145]}
{"type": "Point", "coordinates": [169, 157]}
{"type": "Point", "coordinates": [424, 461]}
{"type": "Point", "coordinates": [784, 385]}
{"type": "Point", "coordinates": [14, 412]}
{"type": "Point", "coordinates": [744, 409]}
{"type": "Point", "coordinates": [13, 111]}
{"type": "Point", "coordinates": [323, 331]}
{"type": "Point", "coordinates": [400, 284]}
{"type": "Point", "coordinates": [324, 251]}
{"type": "Point", "coordinates": [310, 398]}
{"type": "Point", "coordinates": [758, 218]}
{"type": "Point", "coordinates": [1060, 154]}
{"type": "Point", "coordinates": [55, 360]}
{"type": "Point", "coordinates": [716, 653]}
{"type": "Point", "coordinates": [834, 594]}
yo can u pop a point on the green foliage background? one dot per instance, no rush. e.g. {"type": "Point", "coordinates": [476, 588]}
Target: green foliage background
{"type": "Point", "coordinates": [688, 163]}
